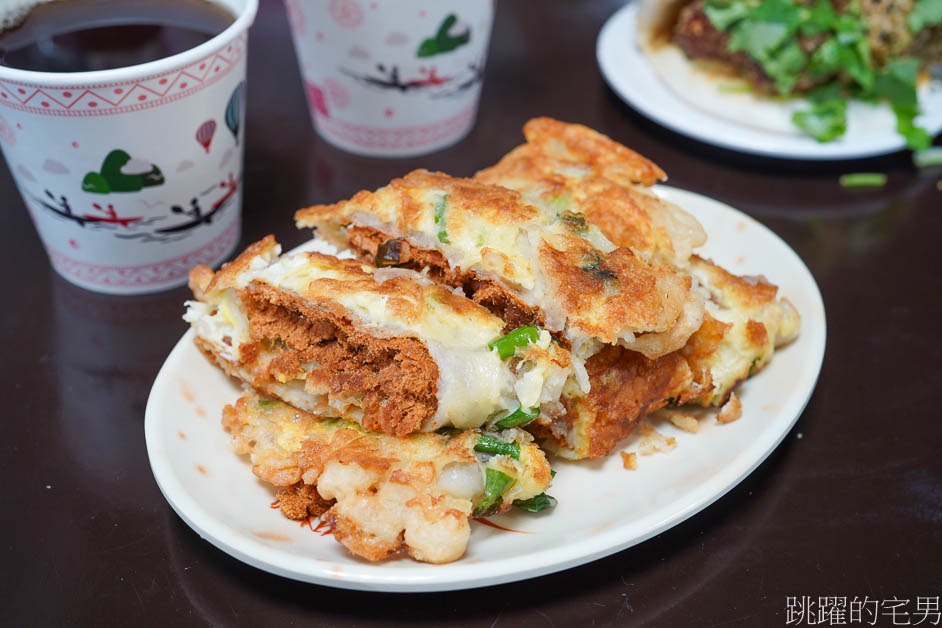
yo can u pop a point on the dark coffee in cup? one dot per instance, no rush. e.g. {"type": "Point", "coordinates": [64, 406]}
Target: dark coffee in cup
{"type": "Point", "coordinates": [87, 35]}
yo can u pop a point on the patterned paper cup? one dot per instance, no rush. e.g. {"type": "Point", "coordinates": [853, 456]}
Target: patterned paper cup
{"type": "Point", "coordinates": [392, 77]}
{"type": "Point", "coordinates": [133, 175]}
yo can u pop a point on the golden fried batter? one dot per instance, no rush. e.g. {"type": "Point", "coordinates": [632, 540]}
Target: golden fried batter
{"type": "Point", "coordinates": [387, 348]}
{"type": "Point", "coordinates": [544, 258]}
{"type": "Point", "coordinates": [379, 493]}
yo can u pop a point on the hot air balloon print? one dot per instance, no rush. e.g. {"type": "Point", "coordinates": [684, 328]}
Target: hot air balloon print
{"type": "Point", "coordinates": [234, 110]}
{"type": "Point", "coordinates": [204, 134]}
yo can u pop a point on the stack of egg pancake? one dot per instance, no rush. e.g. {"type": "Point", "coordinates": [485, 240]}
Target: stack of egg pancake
{"type": "Point", "coordinates": [406, 372]}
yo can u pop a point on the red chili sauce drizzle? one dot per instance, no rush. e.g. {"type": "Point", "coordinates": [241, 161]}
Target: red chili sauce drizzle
{"type": "Point", "coordinates": [323, 527]}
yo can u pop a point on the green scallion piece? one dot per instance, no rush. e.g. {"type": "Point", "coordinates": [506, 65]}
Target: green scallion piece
{"type": "Point", "coordinates": [439, 216]}
{"type": "Point", "coordinates": [520, 416]}
{"type": "Point", "coordinates": [928, 158]}
{"type": "Point", "coordinates": [520, 337]}
{"type": "Point", "coordinates": [537, 503]}
{"type": "Point", "coordinates": [495, 483]}
{"type": "Point", "coordinates": [490, 445]}
{"type": "Point", "coordinates": [440, 206]}
{"type": "Point", "coordinates": [863, 179]}
{"type": "Point", "coordinates": [734, 88]}
{"type": "Point", "coordinates": [267, 404]}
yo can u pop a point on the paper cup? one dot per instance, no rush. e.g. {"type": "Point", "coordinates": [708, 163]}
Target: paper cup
{"type": "Point", "coordinates": [392, 78]}
{"type": "Point", "coordinates": [133, 175]}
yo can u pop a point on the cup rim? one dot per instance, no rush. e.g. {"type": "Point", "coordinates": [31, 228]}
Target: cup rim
{"type": "Point", "coordinates": [241, 24]}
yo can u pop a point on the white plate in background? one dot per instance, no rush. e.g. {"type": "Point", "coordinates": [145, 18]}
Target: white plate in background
{"type": "Point", "coordinates": [602, 509]}
{"type": "Point", "coordinates": [871, 130]}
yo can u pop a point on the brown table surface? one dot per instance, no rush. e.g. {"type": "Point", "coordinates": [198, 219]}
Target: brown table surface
{"type": "Point", "coordinates": [852, 508]}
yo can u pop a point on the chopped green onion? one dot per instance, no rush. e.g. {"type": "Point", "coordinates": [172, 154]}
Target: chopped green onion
{"type": "Point", "coordinates": [267, 404]}
{"type": "Point", "coordinates": [752, 367]}
{"type": "Point", "coordinates": [575, 221]}
{"type": "Point", "coordinates": [495, 446]}
{"type": "Point", "coordinates": [560, 203]}
{"type": "Point", "coordinates": [591, 261]}
{"type": "Point", "coordinates": [518, 417]}
{"type": "Point", "coordinates": [495, 483]}
{"type": "Point", "coordinates": [863, 179]}
{"type": "Point", "coordinates": [928, 158]}
{"type": "Point", "coordinates": [734, 88]}
{"type": "Point", "coordinates": [537, 503]}
{"type": "Point", "coordinates": [552, 473]}
{"type": "Point", "coordinates": [440, 205]}
{"type": "Point", "coordinates": [520, 337]}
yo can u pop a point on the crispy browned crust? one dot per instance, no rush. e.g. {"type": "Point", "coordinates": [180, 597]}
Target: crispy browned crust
{"type": "Point", "coordinates": [397, 377]}
{"type": "Point", "coordinates": [634, 290]}
{"type": "Point", "coordinates": [580, 143]}
{"type": "Point", "coordinates": [365, 242]}
{"type": "Point", "coordinates": [199, 275]}
{"type": "Point", "coordinates": [624, 210]}
{"type": "Point", "coordinates": [604, 292]}
{"type": "Point", "coordinates": [496, 204]}
{"type": "Point", "coordinates": [377, 494]}
{"type": "Point", "coordinates": [301, 501]}
{"type": "Point", "coordinates": [625, 387]}
{"type": "Point", "coordinates": [699, 351]}
{"type": "Point", "coordinates": [747, 290]}
{"type": "Point", "coordinates": [748, 295]}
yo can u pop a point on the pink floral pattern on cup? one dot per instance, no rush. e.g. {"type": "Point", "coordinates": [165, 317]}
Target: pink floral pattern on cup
{"type": "Point", "coordinates": [389, 81]}
{"type": "Point", "coordinates": [346, 13]}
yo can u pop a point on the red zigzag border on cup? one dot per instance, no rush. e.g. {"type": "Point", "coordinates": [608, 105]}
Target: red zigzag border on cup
{"type": "Point", "coordinates": [123, 96]}
{"type": "Point", "coordinates": [407, 137]}
{"type": "Point", "coordinates": [146, 274]}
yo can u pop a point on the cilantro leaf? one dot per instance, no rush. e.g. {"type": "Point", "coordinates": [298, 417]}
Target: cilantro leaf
{"type": "Point", "coordinates": [917, 138]}
{"type": "Point", "coordinates": [724, 14]}
{"type": "Point", "coordinates": [854, 60]}
{"type": "Point", "coordinates": [758, 39]}
{"type": "Point", "coordinates": [786, 66]}
{"type": "Point", "coordinates": [826, 59]}
{"type": "Point", "coordinates": [819, 18]}
{"type": "Point", "coordinates": [827, 118]}
{"type": "Point", "coordinates": [925, 13]}
{"type": "Point", "coordinates": [897, 82]}
{"type": "Point", "coordinates": [824, 121]}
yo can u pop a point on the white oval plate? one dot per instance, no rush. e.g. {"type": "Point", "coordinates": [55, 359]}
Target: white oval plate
{"type": "Point", "coordinates": [627, 71]}
{"type": "Point", "coordinates": [602, 509]}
